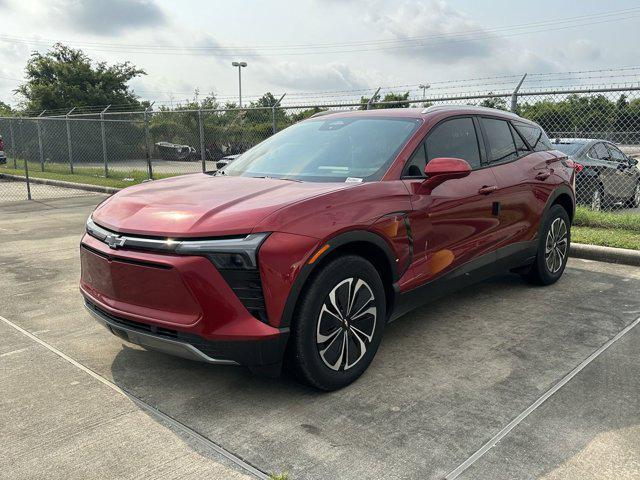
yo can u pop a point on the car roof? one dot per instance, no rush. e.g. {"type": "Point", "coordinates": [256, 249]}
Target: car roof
{"type": "Point", "coordinates": [421, 113]}
{"type": "Point", "coordinates": [583, 141]}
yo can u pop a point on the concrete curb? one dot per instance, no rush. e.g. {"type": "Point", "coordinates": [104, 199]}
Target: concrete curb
{"type": "Point", "coordinates": [61, 183]}
{"type": "Point", "coordinates": [605, 254]}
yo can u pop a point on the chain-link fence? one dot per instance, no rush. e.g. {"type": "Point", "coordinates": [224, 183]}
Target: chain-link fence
{"type": "Point", "coordinates": [600, 128]}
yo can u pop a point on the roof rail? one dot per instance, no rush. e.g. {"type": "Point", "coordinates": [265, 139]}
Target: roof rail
{"type": "Point", "coordinates": [469, 107]}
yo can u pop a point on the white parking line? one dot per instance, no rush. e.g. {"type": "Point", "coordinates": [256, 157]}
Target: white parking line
{"type": "Point", "coordinates": [455, 473]}
{"type": "Point", "coordinates": [201, 439]}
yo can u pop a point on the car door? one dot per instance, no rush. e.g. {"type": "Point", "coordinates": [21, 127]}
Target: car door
{"type": "Point", "coordinates": [626, 177]}
{"type": "Point", "coordinates": [525, 175]}
{"type": "Point", "coordinates": [453, 223]}
{"type": "Point", "coordinates": [607, 174]}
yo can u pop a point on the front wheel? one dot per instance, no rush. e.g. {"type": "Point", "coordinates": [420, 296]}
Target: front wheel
{"type": "Point", "coordinates": [553, 247]}
{"type": "Point", "coordinates": [339, 323]}
{"type": "Point", "coordinates": [597, 198]}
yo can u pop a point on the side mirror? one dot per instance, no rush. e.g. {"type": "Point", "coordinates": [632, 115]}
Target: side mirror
{"type": "Point", "coordinates": [633, 162]}
{"type": "Point", "coordinates": [441, 169]}
{"type": "Point", "coordinates": [446, 166]}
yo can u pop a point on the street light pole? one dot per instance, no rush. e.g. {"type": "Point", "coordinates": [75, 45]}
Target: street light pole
{"type": "Point", "coordinates": [240, 65]}
{"type": "Point", "coordinates": [424, 87]}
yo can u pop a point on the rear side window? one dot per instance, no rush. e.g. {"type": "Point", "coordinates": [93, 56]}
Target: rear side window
{"type": "Point", "coordinates": [599, 151]}
{"type": "Point", "coordinates": [521, 147]}
{"type": "Point", "coordinates": [454, 138]}
{"type": "Point", "coordinates": [501, 144]}
{"type": "Point", "coordinates": [616, 154]}
{"type": "Point", "coordinates": [534, 136]}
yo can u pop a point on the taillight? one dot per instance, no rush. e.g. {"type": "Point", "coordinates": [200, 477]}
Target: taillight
{"type": "Point", "coordinates": [567, 162]}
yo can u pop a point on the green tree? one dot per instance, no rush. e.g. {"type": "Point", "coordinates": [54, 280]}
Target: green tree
{"type": "Point", "coordinates": [5, 110]}
{"type": "Point", "coordinates": [390, 100]}
{"type": "Point", "coordinates": [494, 102]}
{"type": "Point", "coordinates": [65, 77]}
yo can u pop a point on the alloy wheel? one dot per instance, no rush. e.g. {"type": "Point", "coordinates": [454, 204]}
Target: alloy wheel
{"type": "Point", "coordinates": [636, 196]}
{"type": "Point", "coordinates": [556, 245]}
{"type": "Point", "coordinates": [346, 324]}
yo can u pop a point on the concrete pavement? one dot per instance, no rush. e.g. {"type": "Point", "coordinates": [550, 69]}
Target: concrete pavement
{"type": "Point", "coordinates": [446, 378]}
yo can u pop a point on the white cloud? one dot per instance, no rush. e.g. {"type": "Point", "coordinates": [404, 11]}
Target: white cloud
{"type": "Point", "coordinates": [100, 17]}
{"type": "Point", "coordinates": [438, 24]}
{"type": "Point", "coordinates": [436, 33]}
{"type": "Point", "coordinates": [313, 77]}
{"type": "Point", "coordinates": [584, 49]}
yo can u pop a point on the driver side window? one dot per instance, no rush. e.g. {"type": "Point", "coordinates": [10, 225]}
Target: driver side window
{"type": "Point", "coordinates": [452, 138]}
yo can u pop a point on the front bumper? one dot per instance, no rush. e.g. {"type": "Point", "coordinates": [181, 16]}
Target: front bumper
{"type": "Point", "coordinates": [192, 347]}
{"type": "Point", "coordinates": [180, 305]}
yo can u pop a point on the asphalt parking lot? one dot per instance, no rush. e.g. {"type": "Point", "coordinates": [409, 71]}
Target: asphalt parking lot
{"type": "Point", "coordinates": [447, 379]}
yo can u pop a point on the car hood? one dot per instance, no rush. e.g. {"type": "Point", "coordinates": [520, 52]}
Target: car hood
{"type": "Point", "coordinates": [202, 205]}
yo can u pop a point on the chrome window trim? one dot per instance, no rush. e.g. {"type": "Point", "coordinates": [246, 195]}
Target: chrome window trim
{"type": "Point", "coordinates": [247, 245]}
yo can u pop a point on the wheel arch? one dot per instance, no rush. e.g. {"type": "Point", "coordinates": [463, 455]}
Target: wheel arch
{"type": "Point", "coordinates": [368, 245]}
{"type": "Point", "coordinates": [564, 197]}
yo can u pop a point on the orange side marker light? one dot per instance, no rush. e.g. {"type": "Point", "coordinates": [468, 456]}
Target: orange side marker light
{"type": "Point", "coordinates": [318, 253]}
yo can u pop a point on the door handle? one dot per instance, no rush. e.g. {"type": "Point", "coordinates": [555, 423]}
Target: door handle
{"type": "Point", "coordinates": [543, 175]}
{"type": "Point", "coordinates": [486, 190]}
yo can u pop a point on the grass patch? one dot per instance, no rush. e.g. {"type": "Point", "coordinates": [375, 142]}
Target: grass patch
{"type": "Point", "coordinates": [279, 476]}
{"type": "Point", "coordinates": [606, 237]}
{"type": "Point", "coordinates": [585, 217]}
{"type": "Point", "coordinates": [90, 176]}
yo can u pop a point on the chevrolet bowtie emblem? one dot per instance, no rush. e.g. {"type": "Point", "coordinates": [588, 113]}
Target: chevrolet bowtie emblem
{"type": "Point", "coordinates": [114, 241]}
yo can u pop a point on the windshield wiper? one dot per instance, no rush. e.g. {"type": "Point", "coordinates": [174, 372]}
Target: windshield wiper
{"type": "Point", "coordinates": [282, 178]}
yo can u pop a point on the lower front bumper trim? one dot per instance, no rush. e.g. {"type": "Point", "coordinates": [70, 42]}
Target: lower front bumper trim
{"type": "Point", "coordinates": [155, 342]}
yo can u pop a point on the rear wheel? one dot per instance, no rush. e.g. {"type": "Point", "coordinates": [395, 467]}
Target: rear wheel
{"type": "Point", "coordinates": [634, 201]}
{"type": "Point", "coordinates": [553, 247]}
{"type": "Point", "coordinates": [339, 324]}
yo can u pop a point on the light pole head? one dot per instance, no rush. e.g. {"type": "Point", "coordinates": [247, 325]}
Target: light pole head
{"type": "Point", "coordinates": [239, 64]}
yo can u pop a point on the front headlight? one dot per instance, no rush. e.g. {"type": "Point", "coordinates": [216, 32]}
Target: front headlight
{"type": "Point", "coordinates": [238, 253]}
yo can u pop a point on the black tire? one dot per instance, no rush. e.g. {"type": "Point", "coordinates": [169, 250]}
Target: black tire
{"type": "Point", "coordinates": [313, 322]}
{"type": "Point", "coordinates": [634, 201]}
{"type": "Point", "coordinates": [545, 269]}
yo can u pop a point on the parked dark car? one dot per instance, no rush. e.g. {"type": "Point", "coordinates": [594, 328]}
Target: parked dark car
{"type": "Point", "coordinates": [174, 151]}
{"type": "Point", "coordinates": [304, 247]}
{"type": "Point", "coordinates": [224, 161]}
{"type": "Point", "coordinates": [608, 178]}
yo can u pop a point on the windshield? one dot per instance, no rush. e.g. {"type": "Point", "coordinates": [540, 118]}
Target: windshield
{"type": "Point", "coordinates": [330, 150]}
{"type": "Point", "coordinates": [568, 148]}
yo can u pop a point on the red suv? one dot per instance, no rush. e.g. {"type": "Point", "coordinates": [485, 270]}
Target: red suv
{"type": "Point", "coordinates": [305, 246]}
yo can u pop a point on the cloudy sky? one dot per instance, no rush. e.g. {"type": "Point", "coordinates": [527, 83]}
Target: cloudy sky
{"type": "Point", "coordinates": [349, 46]}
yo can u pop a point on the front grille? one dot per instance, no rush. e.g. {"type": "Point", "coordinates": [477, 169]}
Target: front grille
{"type": "Point", "coordinates": [247, 286]}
